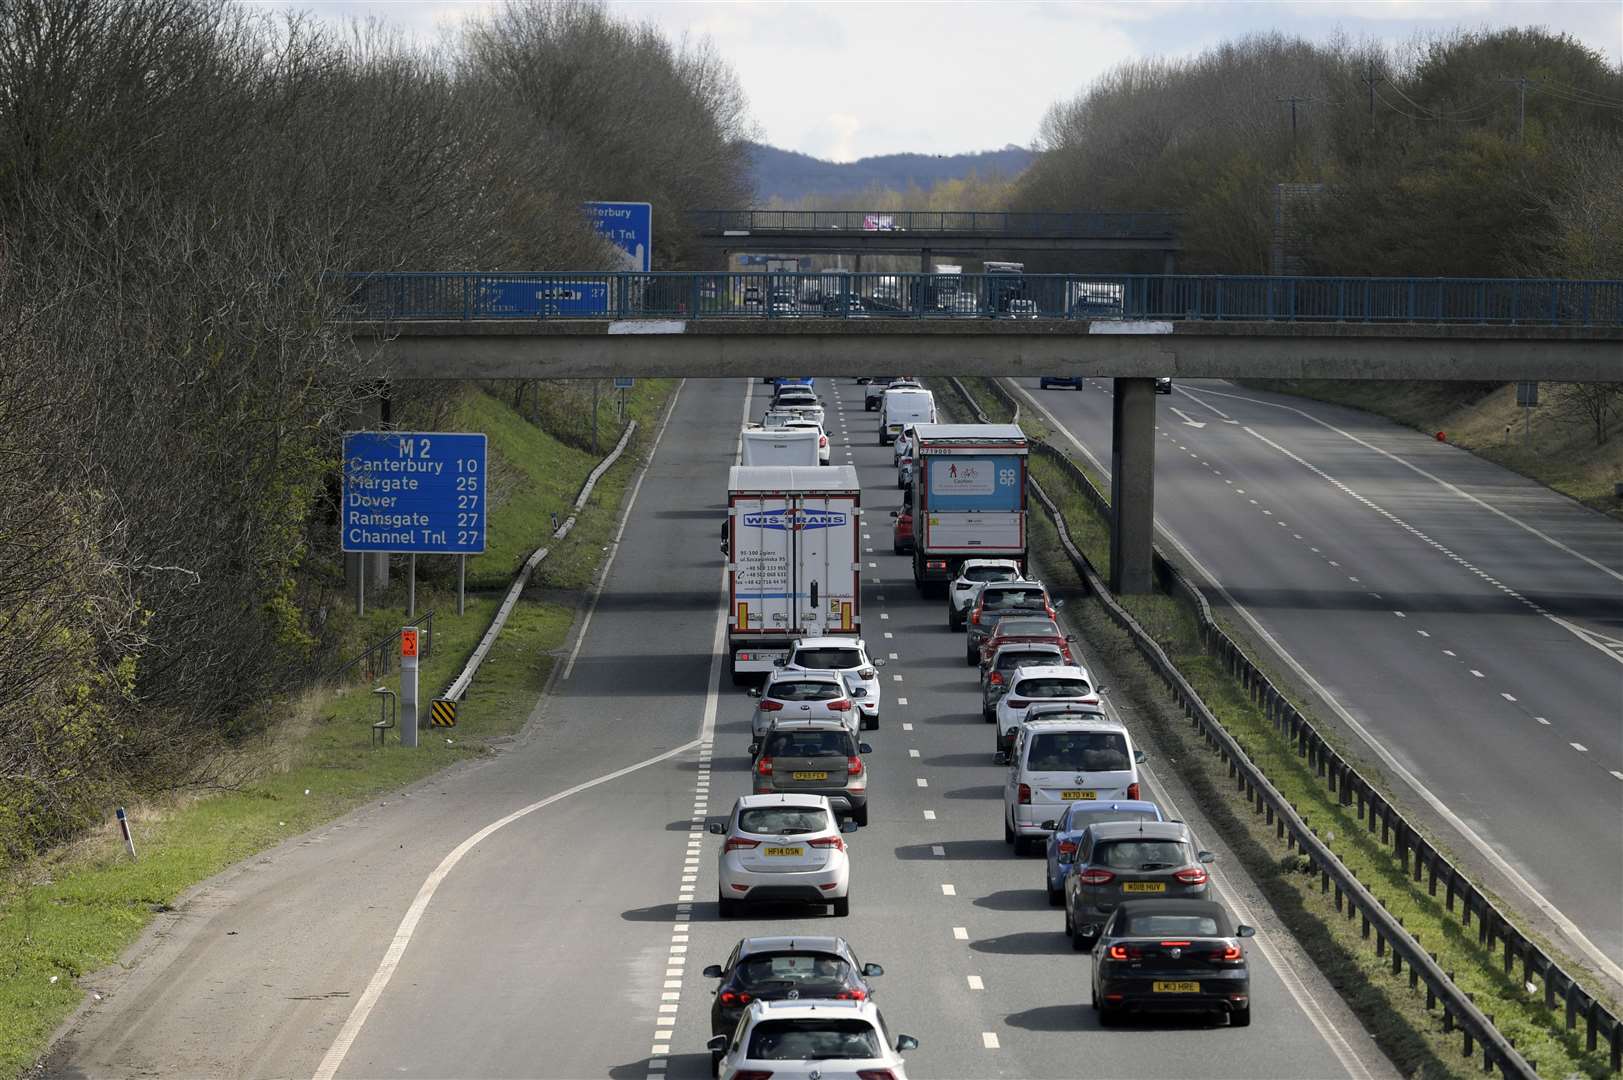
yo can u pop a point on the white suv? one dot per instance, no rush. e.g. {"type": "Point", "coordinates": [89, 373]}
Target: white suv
{"type": "Point", "coordinates": [804, 695]}
{"type": "Point", "coordinates": [782, 849]}
{"type": "Point", "coordinates": [1039, 685]}
{"type": "Point", "coordinates": [849, 657]}
{"type": "Point", "coordinates": [1076, 758]}
{"type": "Point", "coordinates": [834, 1039]}
{"type": "Point", "coordinates": [966, 585]}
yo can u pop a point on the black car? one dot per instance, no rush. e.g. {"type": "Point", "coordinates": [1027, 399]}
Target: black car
{"type": "Point", "coordinates": [781, 968]}
{"type": "Point", "coordinates": [1172, 956]}
{"type": "Point", "coordinates": [1162, 386]}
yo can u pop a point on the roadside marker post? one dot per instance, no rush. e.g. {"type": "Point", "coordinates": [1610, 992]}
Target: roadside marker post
{"type": "Point", "coordinates": [124, 829]}
{"type": "Point", "coordinates": [408, 686]}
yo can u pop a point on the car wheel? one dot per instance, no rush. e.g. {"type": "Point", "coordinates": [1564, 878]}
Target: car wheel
{"type": "Point", "coordinates": [715, 1063]}
{"type": "Point", "coordinates": [1008, 832]}
{"type": "Point", "coordinates": [842, 907]}
{"type": "Point", "coordinates": [741, 678]}
{"type": "Point", "coordinates": [1080, 942]}
{"type": "Point", "coordinates": [972, 655]}
{"type": "Point", "coordinates": [1240, 1017]}
{"type": "Point", "coordinates": [1109, 1017]}
{"type": "Point", "coordinates": [895, 548]}
{"type": "Point", "coordinates": [726, 908]}
{"type": "Point", "coordinates": [1093, 997]}
{"type": "Point", "coordinates": [1024, 845]}
{"type": "Point", "coordinates": [860, 815]}
{"type": "Point", "coordinates": [873, 722]}
{"type": "Point", "coordinates": [990, 717]}
{"type": "Point", "coordinates": [1056, 897]}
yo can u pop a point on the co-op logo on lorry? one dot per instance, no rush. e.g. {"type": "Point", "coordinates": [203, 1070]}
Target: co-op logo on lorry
{"type": "Point", "coordinates": [795, 519]}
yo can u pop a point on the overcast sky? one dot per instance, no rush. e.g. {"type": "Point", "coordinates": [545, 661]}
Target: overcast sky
{"type": "Point", "coordinates": [848, 80]}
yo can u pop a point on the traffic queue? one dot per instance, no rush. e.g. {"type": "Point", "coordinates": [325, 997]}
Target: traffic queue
{"type": "Point", "coordinates": [1134, 887]}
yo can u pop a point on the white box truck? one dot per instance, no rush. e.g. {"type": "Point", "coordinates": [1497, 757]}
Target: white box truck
{"type": "Point", "coordinates": [969, 497]}
{"type": "Point", "coordinates": [780, 446]}
{"type": "Point", "coordinates": [794, 564]}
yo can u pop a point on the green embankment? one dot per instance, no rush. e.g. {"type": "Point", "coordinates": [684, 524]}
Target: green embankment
{"type": "Point", "coordinates": [1394, 1015]}
{"type": "Point", "coordinates": [75, 910]}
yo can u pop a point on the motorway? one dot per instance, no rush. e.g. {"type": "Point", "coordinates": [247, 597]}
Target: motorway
{"type": "Point", "coordinates": [1465, 618]}
{"type": "Point", "coordinates": [547, 910]}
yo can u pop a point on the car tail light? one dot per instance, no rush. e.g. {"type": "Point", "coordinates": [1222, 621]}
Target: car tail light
{"type": "Point", "coordinates": [822, 440]}
{"type": "Point", "coordinates": [1025, 794]}
{"type": "Point", "coordinates": [1132, 791]}
{"type": "Point", "coordinates": [835, 842]}
{"type": "Point", "coordinates": [853, 765]}
{"type": "Point", "coordinates": [996, 678]}
{"type": "Point", "coordinates": [739, 843]}
{"type": "Point", "coordinates": [1095, 876]}
{"type": "Point", "coordinates": [1067, 847]}
{"type": "Point", "coordinates": [1191, 875]}
{"type": "Point", "coordinates": [1018, 703]}
{"type": "Point", "coordinates": [842, 705]}
{"type": "Point", "coordinates": [1126, 952]}
{"type": "Point", "coordinates": [768, 705]}
{"type": "Point", "coordinates": [875, 1074]}
{"type": "Point", "coordinates": [975, 616]}
{"type": "Point", "coordinates": [764, 767]}
{"type": "Point", "coordinates": [851, 995]}
{"type": "Point", "coordinates": [935, 564]}
{"type": "Point", "coordinates": [729, 997]}
{"type": "Point", "coordinates": [1176, 944]}
{"type": "Point", "coordinates": [1228, 955]}
{"type": "Point", "coordinates": [866, 673]}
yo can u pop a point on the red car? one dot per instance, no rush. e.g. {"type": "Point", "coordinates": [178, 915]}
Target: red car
{"type": "Point", "coordinates": [901, 533]}
{"type": "Point", "coordinates": [1022, 629]}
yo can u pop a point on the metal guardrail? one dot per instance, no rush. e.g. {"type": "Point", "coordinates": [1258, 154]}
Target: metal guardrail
{"type": "Point", "coordinates": [1418, 856]}
{"type": "Point", "coordinates": [1089, 224]}
{"type": "Point", "coordinates": [837, 295]}
{"type": "Point", "coordinates": [378, 659]}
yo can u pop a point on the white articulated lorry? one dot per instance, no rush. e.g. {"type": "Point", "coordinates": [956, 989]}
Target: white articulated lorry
{"type": "Point", "coordinates": [794, 564]}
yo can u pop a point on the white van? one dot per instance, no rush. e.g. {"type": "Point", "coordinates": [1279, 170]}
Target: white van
{"type": "Point", "coordinates": [1067, 759]}
{"type": "Point", "coordinates": [902, 407]}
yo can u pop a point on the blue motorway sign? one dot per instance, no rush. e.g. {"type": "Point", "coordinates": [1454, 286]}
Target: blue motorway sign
{"type": "Point", "coordinates": [543, 298]}
{"type": "Point", "coordinates": [630, 225]}
{"type": "Point", "coordinates": [414, 491]}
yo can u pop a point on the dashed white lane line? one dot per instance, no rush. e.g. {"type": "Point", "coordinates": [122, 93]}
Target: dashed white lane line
{"type": "Point", "coordinates": [938, 851]}
{"type": "Point", "coordinates": [1542, 720]}
{"type": "Point", "coordinates": [1617, 774]}
{"type": "Point", "coordinates": [948, 890]}
{"type": "Point", "coordinates": [929, 815]}
{"type": "Point", "coordinates": [1449, 652]}
{"type": "Point", "coordinates": [1507, 697]}
{"type": "Point", "coordinates": [902, 701]}
{"type": "Point", "coordinates": [1478, 674]}
{"type": "Point", "coordinates": [961, 933]}
{"type": "Point", "coordinates": [1580, 747]}
{"type": "Point", "coordinates": [975, 982]}
{"type": "Point", "coordinates": [1422, 633]}
{"type": "Point", "coordinates": [882, 614]}
{"type": "Point", "coordinates": [889, 634]}
{"type": "Point", "coordinates": [922, 782]}
{"type": "Point", "coordinates": [989, 1040]}
{"type": "Point", "coordinates": [896, 678]}
{"type": "Point", "coordinates": [912, 753]}
{"type": "Point", "coordinates": [907, 727]}
{"type": "Point", "coordinates": [893, 656]}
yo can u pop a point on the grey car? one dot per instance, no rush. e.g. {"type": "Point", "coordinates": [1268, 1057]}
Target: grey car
{"type": "Point", "coordinates": [1130, 860]}
{"type": "Point", "coordinates": [814, 757]}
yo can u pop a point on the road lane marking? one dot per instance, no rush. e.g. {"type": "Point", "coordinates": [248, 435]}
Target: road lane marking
{"type": "Point", "coordinates": [1422, 633]}
{"type": "Point", "coordinates": [1507, 697]}
{"type": "Point", "coordinates": [907, 727]}
{"type": "Point", "coordinates": [1541, 720]}
{"type": "Point", "coordinates": [948, 890]}
{"type": "Point", "coordinates": [938, 851]}
{"type": "Point", "coordinates": [902, 701]}
{"type": "Point", "coordinates": [912, 753]}
{"type": "Point", "coordinates": [1478, 674]}
{"type": "Point", "coordinates": [929, 815]}
{"type": "Point", "coordinates": [975, 982]}
{"type": "Point", "coordinates": [961, 933]}
{"type": "Point", "coordinates": [1580, 747]}
{"type": "Point", "coordinates": [1448, 652]}
{"type": "Point", "coordinates": [989, 1038]}
{"type": "Point", "coordinates": [922, 782]}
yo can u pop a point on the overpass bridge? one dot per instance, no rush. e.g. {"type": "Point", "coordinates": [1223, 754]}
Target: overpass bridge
{"type": "Point", "coordinates": [1132, 328]}
{"type": "Point", "coordinates": [931, 233]}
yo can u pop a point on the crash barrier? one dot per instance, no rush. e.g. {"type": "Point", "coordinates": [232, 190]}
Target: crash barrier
{"type": "Point", "coordinates": [1418, 856]}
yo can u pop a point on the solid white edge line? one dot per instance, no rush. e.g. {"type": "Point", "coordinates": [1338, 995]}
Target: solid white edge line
{"type": "Point", "coordinates": [614, 545]}
{"type": "Point", "coordinates": [1568, 928]}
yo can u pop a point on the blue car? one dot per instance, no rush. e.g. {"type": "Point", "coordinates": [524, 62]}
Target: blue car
{"type": "Point", "coordinates": [1072, 381]}
{"type": "Point", "coordinates": [1064, 831]}
{"type": "Point", "coordinates": [794, 382]}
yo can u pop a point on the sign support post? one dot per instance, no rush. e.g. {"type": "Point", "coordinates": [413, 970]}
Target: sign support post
{"type": "Point", "coordinates": [461, 583]}
{"type": "Point", "coordinates": [411, 586]}
{"type": "Point", "coordinates": [408, 686]}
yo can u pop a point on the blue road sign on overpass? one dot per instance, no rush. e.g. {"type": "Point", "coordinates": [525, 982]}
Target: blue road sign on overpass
{"type": "Point", "coordinates": [421, 492]}
{"type": "Point", "coordinates": [630, 225]}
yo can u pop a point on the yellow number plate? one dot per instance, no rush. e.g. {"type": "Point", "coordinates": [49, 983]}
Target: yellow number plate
{"type": "Point", "coordinates": [1176, 987]}
{"type": "Point", "coordinates": [788, 851]}
{"type": "Point", "coordinates": [1143, 886]}
{"type": "Point", "coordinates": [1077, 796]}
{"type": "Point", "coordinates": [810, 775]}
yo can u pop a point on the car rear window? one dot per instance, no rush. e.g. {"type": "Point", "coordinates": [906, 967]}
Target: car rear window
{"type": "Point", "coordinates": [1052, 687]}
{"type": "Point", "coordinates": [813, 1037]}
{"type": "Point", "coordinates": [1007, 598]}
{"type": "Point", "coordinates": [809, 744]}
{"type": "Point", "coordinates": [1139, 854]}
{"type": "Point", "coordinates": [988, 573]}
{"type": "Point", "coordinates": [808, 690]}
{"type": "Point", "coordinates": [1009, 660]}
{"type": "Point", "coordinates": [837, 659]}
{"type": "Point", "coordinates": [1026, 628]}
{"type": "Point", "coordinates": [782, 820]}
{"type": "Point", "coordinates": [1147, 925]}
{"type": "Point", "coordinates": [1078, 751]}
{"type": "Point", "coordinates": [792, 971]}
{"type": "Point", "coordinates": [1085, 814]}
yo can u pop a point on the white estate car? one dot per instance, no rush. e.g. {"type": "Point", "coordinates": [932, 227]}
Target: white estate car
{"type": "Point", "coordinates": [1064, 759]}
{"type": "Point", "coordinates": [826, 1040]}
{"type": "Point", "coordinates": [965, 588]}
{"type": "Point", "coordinates": [849, 657]}
{"type": "Point", "coordinates": [804, 695]}
{"type": "Point", "coordinates": [1045, 685]}
{"type": "Point", "coordinates": [782, 849]}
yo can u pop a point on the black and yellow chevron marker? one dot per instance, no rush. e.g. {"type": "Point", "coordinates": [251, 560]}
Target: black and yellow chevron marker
{"type": "Point", "coordinates": [442, 713]}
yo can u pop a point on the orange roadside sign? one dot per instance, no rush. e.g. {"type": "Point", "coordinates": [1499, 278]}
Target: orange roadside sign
{"type": "Point", "coordinates": [408, 641]}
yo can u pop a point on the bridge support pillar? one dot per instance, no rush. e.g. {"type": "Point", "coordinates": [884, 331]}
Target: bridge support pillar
{"type": "Point", "coordinates": [924, 261]}
{"type": "Point", "coordinates": [1132, 486]}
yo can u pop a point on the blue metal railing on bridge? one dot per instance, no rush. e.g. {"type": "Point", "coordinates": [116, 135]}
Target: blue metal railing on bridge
{"type": "Point", "coordinates": [839, 295]}
{"type": "Point", "coordinates": [1090, 224]}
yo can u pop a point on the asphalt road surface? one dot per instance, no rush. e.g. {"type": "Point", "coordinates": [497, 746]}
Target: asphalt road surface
{"type": "Point", "coordinates": [546, 912]}
{"type": "Point", "coordinates": [1469, 620]}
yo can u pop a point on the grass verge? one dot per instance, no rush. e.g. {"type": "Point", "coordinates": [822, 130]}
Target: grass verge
{"type": "Point", "coordinates": [79, 907]}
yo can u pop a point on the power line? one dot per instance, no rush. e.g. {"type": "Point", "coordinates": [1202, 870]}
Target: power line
{"type": "Point", "coordinates": [1521, 104]}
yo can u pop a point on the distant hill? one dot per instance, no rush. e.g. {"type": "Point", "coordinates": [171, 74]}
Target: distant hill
{"type": "Point", "coordinates": [785, 174]}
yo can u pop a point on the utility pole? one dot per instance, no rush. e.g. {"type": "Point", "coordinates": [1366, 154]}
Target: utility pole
{"type": "Point", "coordinates": [1521, 105]}
{"type": "Point", "coordinates": [1371, 79]}
{"type": "Point", "coordinates": [1294, 101]}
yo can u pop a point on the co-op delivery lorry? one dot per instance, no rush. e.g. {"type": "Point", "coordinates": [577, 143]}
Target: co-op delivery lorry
{"type": "Point", "coordinates": [794, 560]}
{"type": "Point", "coordinates": [779, 446]}
{"type": "Point", "coordinates": [969, 497]}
